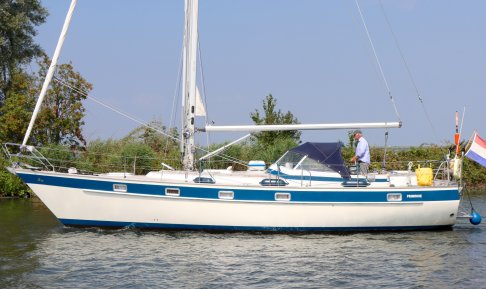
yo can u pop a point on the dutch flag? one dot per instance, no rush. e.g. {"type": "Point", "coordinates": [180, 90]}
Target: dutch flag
{"type": "Point", "coordinates": [477, 150]}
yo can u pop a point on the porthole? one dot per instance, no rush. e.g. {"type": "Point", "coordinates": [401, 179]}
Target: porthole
{"type": "Point", "coordinates": [173, 192]}
{"type": "Point", "coordinates": [394, 197]}
{"type": "Point", "coordinates": [282, 196]}
{"type": "Point", "coordinates": [227, 195]}
{"type": "Point", "coordinates": [120, 188]}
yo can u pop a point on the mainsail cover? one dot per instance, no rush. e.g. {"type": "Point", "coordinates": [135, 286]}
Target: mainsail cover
{"type": "Point", "coordinates": [477, 150]}
{"type": "Point", "coordinates": [326, 153]}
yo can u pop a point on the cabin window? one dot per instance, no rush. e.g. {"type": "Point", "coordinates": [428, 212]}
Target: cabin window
{"type": "Point", "coordinates": [393, 197]}
{"type": "Point", "coordinates": [204, 180]}
{"type": "Point", "coordinates": [174, 192]}
{"type": "Point", "coordinates": [227, 195]}
{"type": "Point", "coordinates": [273, 182]}
{"type": "Point", "coordinates": [120, 188]}
{"type": "Point", "coordinates": [282, 196]}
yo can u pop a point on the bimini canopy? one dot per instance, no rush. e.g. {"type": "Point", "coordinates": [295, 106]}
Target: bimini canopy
{"type": "Point", "coordinates": [324, 153]}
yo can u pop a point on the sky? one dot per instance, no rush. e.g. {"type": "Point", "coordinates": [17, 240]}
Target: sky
{"type": "Point", "coordinates": [313, 56]}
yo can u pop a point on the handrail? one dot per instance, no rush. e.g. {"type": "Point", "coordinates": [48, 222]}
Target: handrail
{"type": "Point", "coordinates": [33, 154]}
{"type": "Point", "coordinates": [302, 177]}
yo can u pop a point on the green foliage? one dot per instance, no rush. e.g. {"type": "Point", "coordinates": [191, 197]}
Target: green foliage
{"type": "Point", "coordinates": [266, 146]}
{"type": "Point", "coordinates": [163, 142]}
{"type": "Point", "coordinates": [474, 174]}
{"type": "Point", "coordinates": [97, 156]}
{"type": "Point", "coordinates": [142, 150]}
{"type": "Point", "coordinates": [18, 20]}
{"type": "Point", "coordinates": [399, 158]}
{"type": "Point", "coordinates": [351, 141]}
{"type": "Point", "coordinates": [138, 156]}
{"type": "Point", "coordinates": [59, 123]}
{"type": "Point", "coordinates": [431, 155]}
{"type": "Point", "coordinates": [272, 116]}
{"type": "Point", "coordinates": [270, 153]}
{"type": "Point", "coordinates": [239, 155]}
{"type": "Point", "coordinates": [17, 109]}
{"type": "Point", "coordinates": [60, 156]}
{"type": "Point", "coordinates": [236, 156]}
{"type": "Point", "coordinates": [11, 185]}
{"type": "Point", "coordinates": [117, 155]}
{"type": "Point", "coordinates": [61, 116]}
{"type": "Point", "coordinates": [271, 144]}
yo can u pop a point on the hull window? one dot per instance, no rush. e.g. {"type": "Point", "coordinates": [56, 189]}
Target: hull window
{"type": "Point", "coordinates": [394, 197]}
{"type": "Point", "coordinates": [227, 195]}
{"type": "Point", "coordinates": [282, 196]}
{"type": "Point", "coordinates": [120, 188]}
{"type": "Point", "coordinates": [173, 192]}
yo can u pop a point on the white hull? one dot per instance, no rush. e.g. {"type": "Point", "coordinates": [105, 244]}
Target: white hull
{"type": "Point", "coordinates": [92, 207]}
{"type": "Point", "coordinates": [314, 192]}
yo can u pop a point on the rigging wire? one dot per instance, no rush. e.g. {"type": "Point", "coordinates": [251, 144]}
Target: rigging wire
{"type": "Point", "coordinates": [378, 61]}
{"type": "Point", "coordinates": [201, 71]}
{"type": "Point", "coordinates": [407, 67]}
{"type": "Point", "coordinates": [113, 109]}
{"type": "Point", "coordinates": [203, 82]}
{"type": "Point", "coordinates": [225, 157]}
{"type": "Point", "coordinates": [462, 120]}
{"type": "Point", "coordinates": [174, 99]}
{"type": "Point", "coordinates": [204, 99]}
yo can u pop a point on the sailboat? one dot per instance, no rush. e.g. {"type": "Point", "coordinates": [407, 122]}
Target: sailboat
{"type": "Point", "coordinates": [308, 189]}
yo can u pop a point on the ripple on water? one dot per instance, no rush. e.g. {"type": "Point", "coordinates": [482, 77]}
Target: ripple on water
{"type": "Point", "coordinates": [48, 255]}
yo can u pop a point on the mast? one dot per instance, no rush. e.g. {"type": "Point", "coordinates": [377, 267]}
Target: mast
{"type": "Point", "coordinates": [189, 83]}
{"type": "Point", "coordinates": [50, 72]}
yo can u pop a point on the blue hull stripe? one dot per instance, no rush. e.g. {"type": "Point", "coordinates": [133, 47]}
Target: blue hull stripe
{"type": "Point", "coordinates": [89, 223]}
{"type": "Point", "coordinates": [201, 191]}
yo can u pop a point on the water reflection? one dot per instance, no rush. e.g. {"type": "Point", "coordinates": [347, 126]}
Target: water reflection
{"type": "Point", "coordinates": [24, 224]}
{"type": "Point", "coordinates": [37, 251]}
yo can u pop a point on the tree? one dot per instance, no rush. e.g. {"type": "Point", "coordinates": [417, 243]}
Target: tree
{"type": "Point", "coordinates": [17, 109]}
{"type": "Point", "coordinates": [165, 145]}
{"type": "Point", "coordinates": [61, 116]}
{"type": "Point", "coordinates": [274, 143]}
{"type": "Point", "coordinates": [271, 116]}
{"type": "Point", "coordinates": [18, 20]}
{"type": "Point", "coordinates": [157, 136]}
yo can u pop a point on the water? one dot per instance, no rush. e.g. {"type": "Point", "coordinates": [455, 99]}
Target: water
{"type": "Point", "coordinates": [37, 252]}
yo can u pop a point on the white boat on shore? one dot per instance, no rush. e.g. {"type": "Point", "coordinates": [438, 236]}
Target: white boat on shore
{"type": "Point", "coordinates": [311, 191]}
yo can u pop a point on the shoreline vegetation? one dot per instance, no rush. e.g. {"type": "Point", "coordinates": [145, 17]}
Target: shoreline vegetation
{"type": "Point", "coordinates": [58, 130]}
{"type": "Point", "coordinates": [145, 153]}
